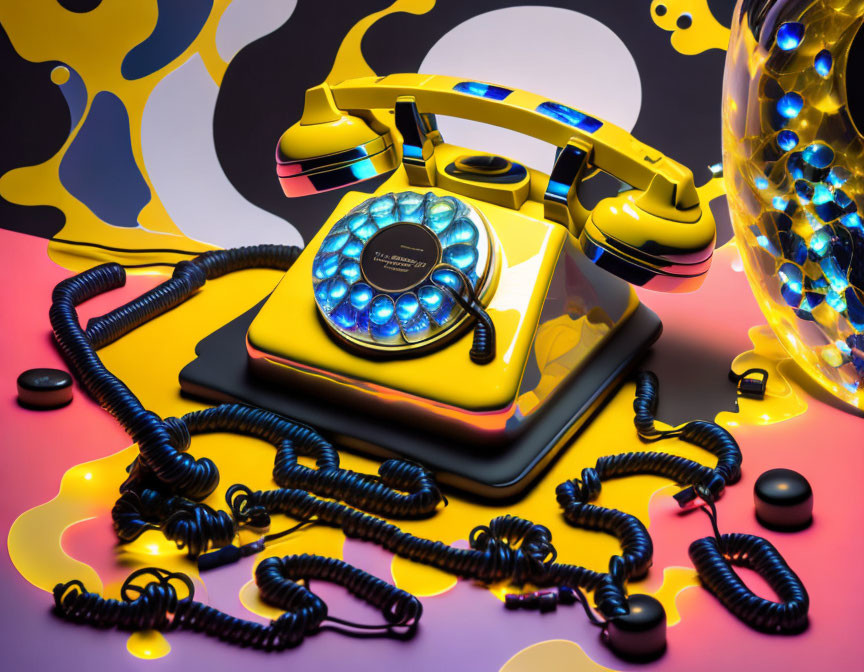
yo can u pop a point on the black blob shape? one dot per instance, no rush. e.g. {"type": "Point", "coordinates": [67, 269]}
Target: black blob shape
{"type": "Point", "coordinates": [855, 73]}
{"type": "Point", "coordinates": [660, 10]}
{"type": "Point", "coordinates": [79, 6]}
{"type": "Point", "coordinates": [722, 10]}
{"type": "Point", "coordinates": [262, 94]}
{"type": "Point", "coordinates": [34, 124]}
{"type": "Point", "coordinates": [684, 21]}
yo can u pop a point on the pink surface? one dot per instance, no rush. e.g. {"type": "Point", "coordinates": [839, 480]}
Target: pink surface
{"type": "Point", "coordinates": [467, 626]}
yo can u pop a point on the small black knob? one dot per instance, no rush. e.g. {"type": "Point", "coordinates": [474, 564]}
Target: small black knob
{"type": "Point", "coordinates": [784, 500]}
{"type": "Point", "coordinates": [640, 634]}
{"type": "Point", "coordinates": [44, 388]}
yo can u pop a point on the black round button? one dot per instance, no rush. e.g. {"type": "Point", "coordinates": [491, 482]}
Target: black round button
{"type": "Point", "coordinates": [641, 634]}
{"type": "Point", "coordinates": [784, 500]}
{"type": "Point", "coordinates": [44, 388]}
{"type": "Point", "coordinates": [399, 257]}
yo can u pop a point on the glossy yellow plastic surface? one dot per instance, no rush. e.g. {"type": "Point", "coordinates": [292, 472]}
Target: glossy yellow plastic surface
{"type": "Point", "coordinates": [660, 235]}
{"type": "Point", "coordinates": [527, 250]}
{"type": "Point", "coordinates": [613, 149]}
{"type": "Point", "coordinates": [324, 130]}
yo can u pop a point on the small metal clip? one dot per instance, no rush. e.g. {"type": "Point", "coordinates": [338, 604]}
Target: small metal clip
{"type": "Point", "coordinates": [752, 383]}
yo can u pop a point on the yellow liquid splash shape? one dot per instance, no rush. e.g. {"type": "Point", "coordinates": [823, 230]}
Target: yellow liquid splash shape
{"type": "Point", "coordinates": [349, 61]}
{"type": "Point", "coordinates": [552, 654]}
{"type": "Point", "coordinates": [783, 400]}
{"type": "Point", "coordinates": [675, 581]}
{"type": "Point", "coordinates": [148, 644]}
{"type": "Point", "coordinates": [420, 580]}
{"type": "Point", "coordinates": [694, 28]}
{"type": "Point", "coordinates": [560, 655]}
{"type": "Point", "coordinates": [42, 30]}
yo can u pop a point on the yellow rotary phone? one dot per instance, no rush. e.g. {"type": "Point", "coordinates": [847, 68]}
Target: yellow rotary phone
{"type": "Point", "coordinates": [460, 301]}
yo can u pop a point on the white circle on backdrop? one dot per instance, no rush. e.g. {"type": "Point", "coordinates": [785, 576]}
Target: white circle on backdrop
{"type": "Point", "coordinates": [566, 56]}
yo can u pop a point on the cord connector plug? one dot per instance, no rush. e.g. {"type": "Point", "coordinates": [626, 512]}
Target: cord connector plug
{"type": "Point", "coordinates": [228, 555]}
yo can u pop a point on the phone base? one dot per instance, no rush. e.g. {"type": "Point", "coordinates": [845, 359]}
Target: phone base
{"type": "Point", "coordinates": [221, 372]}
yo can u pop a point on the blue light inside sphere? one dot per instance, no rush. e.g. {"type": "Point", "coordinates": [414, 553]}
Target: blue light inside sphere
{"type": "Point", "coordinates": [344, 315]}
{"type": "Point", "coordinates": [410, 207]}
{"type": "Point", "coordinates": [334, 243]}
{"type": "Point", "coordinates": [792, 287]}
{"type": "Point", "coordinates": [386, 332]}
{"type": "Point", "coordinates": [853, 221]}
{"type": "Point", "coordinates": [804, 190]}
{"type": "Point", "coordinates": [439, 215]}
{"type": "Point", "coordinates": [461, 231]}
{"type": "Point", "coordinates": [366, 231]}
{"type": "Point", "coordinates": [836, 301]}
{"type": "Point", "coordinates": [795, 165]}
{"type": "Point", "coordinates": [822, 194]}
{"type": "Point", "coordinates": [790, 104]}
{"type": "Point", "coordinates": [787, 140]}
{"type": "Point", "coordinates": [823, 63]}
{"type": "Point", "coordinates": [820, 241]}
{"type": "Point", "coordinates": [789, 35]}
{"type": "Point", "coordinates": [417, 328]}
{"type": "Point", "coordinates": [834, 274]}
{"type": "Point", "coordinates": [843, 199]}
{"type": "Point", "coordinates": [330, 292]}
{"type": "Point", "coordinates": [818, 155]}
{"type": "Point", "coordinates": [350, 270]}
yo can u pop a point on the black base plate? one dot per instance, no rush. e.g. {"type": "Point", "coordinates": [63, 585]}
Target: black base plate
{"type": "Point", "coordinates": [221, 373]}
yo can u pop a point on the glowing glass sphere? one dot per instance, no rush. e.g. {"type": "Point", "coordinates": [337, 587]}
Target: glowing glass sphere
{"type": "Point", "coordinates": [794, 170]}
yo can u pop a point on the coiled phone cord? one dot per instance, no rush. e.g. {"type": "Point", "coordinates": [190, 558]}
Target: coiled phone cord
{"type": "Point", "coordinates": [157, 606]}
{"type": "Point", "coordinates": [162, 444]}
{"type": "Point", "coordinates": [483, 346]}
{"type": "Point", "coordinates": [165, 481]}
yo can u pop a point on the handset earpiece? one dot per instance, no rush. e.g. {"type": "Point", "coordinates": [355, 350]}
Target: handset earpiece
{"type": "Point", "coordinates": [649, 241]}
{"type": "Point", "coordinates": [329, 148]}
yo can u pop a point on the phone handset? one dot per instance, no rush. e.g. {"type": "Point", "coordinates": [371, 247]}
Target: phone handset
{"type": "Point", "coordinates": [656, 234]}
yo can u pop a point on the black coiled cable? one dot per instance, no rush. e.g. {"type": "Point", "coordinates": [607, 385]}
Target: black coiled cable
{"type": "Point", "coordinates": [508, 548]}
{"type": "Point", "coordinates": [714, 557]}
{"type": "Point", "coordinates": [403, 489]}
{"type": "Point", "coordinates": [483, 345]}
{"type": "Point", "coordinates": [707, 435]}
{"type": "Point", "coordinates": [713, 560]}
{"type": "Point", "coordinates": [157, 606]}
{"type": "Point", "coordinates": [165, 481]}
